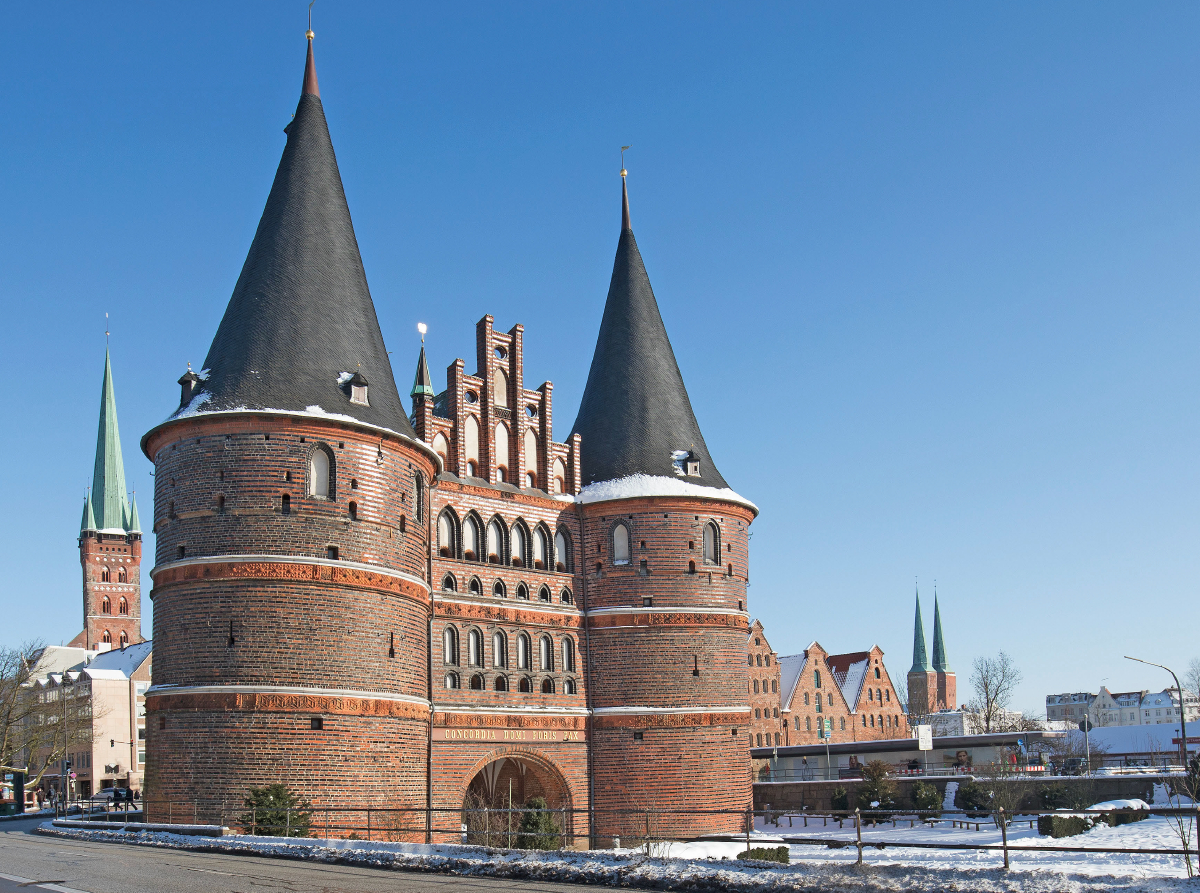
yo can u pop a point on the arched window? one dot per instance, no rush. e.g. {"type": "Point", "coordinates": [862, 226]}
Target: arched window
{"type": "Point", "coordinates": [475, 587]}
{"type": "Point", "coordinates": [712, 544]}
{"type": "Point", "coordinates": [499, 649]}
{"type": "Point", "coordinates": [531, 455]}
{"type": "Point", "coordinates": [472, 445]}
{"type": "Point", "coordinates": [320, 472]}
{"type": "Point", "coordinates": [750, 660]}
{"type": "Point", "coordinates": [518, 541]}
{"type": "Point", "coordinates": [808, 723]}
{"type": "Point", "coordinates": [816, 678]}
{"type": "Point", "coordinates": [123, 641]}
{"type": "Point", "coordinates": [759, 737]}
{"type": "Point", "coordinates": [877, 672]}
{"type": "Point", "coordinates": [122, 575]}
{"type": "Point", "coordinates": [441, 446]}
{"type": "Point", "coordinates": [525, 685]}
{"type": "Point", "coordinates": [495, 541]}
{"type": "Point", "coordinates": [451, 680]}
{"type": "Point", "coordinates": [776, 712]}
{"type": "Point", "coordinates": [104, 575]}
{"type": "Point", "coordinates": [418, 499]}
{"type": "Point", "coordinates": [758, 660]}
{"type": "Point", "coordinates": [560, 477]}
{"type": "Point", "coordinates": [562, 551]}
{"type": "Point", "coordinates": [500, 452]}
{"type": "Point", "coordinates": [477, 683]}
{"type": "Point", "coordinates": [474, 649]}
{"type": "Point", "coordinates": [806, 699]}
{"type": "Point", "coordinates": [105, 605]}
{"type": "Point", "coordinates": [470, 531]}
{"type": "Point", "coordinates": [568, 658]}
{"type": "Point", "coordinates": [842, 723]}
{"type": "Point", "coordinates": [887, 695]}
{"type": "Point", "coordinates": [568, 686]}
{"type": "Point", "coordinates": [870, 694]}
{"type": "Point", "coordinates": [540, 549]}
{"type": "Point", "coordinates": [445, 534]}
{"type": "Point", "coordinates": [544, 594]}
{"type": "Point", "coordinates": [501, 683]}
{"type": "Point", "coordinates": [449, 584]}
{"type": "Point", "coordinates": [878, 696]}
{"type": "Point", "coordinates": [620, 545]}
{"type": "Point", "coordinates": [498, 589]}
{"type": "Point", "coordinates": [691, 567]}
{"type": "Point", "coordinates": [523, 653]}
{"type": "Point", "coordinates": [450, 647]}
{"type": "Point", "coordinates": [864, 720]}
{"type": "Point", "coordinates": [547, 686]}
{"type": "Point", "coordinates": [122, 606]}
{"type": "Point", "coordinates": [522, 591]}
{"type": "Point", "coordinates": [545, 654]}
{"type": "Point", "coordinates": [106, 637]}
{"type": "Point", "coordinates": [830, 697]}
{"type": "Point", "coordinates": [757, 713]}
{"type": "Point", "coordinates": [566, 597]}
{"type": "Point", "coordinates": [756, 686]}
{"type": "Point", "coordinates": [352, 508]}
{"type": "Point", "coordinates": [774, 687]}
{"type": "Point", "coordinates": [499, 387]}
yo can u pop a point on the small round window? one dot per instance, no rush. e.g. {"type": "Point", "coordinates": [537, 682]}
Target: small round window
{"type": "Point", "coordinates": [531, 411]}
{"type": "Point", "coordinates": [501, 353]}
{"type": "Point", "coordinates": [471, 397]}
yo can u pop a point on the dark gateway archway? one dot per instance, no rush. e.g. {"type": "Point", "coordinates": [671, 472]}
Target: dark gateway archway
{"type": "Point", "coordinates": [498, 790]}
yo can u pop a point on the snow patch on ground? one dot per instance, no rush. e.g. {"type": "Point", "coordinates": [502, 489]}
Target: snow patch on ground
{"type": "Point", "coordinates": [710, 866]}
{"type": "Point", "coordinates": [636, 485]}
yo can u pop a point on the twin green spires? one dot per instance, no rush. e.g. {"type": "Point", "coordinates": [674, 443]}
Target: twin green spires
{"type": "Point", "coordinates": [920, 657]}
{"type": "Point", "coordinates": [106, 507]}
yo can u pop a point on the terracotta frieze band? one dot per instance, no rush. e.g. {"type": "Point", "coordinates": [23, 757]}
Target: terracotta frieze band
{"type": "Point", "coordinates": [669, 720]}
{"type": "Point", "coordinates": [492, 613]}
{"type": "Point", "coordinates": [508, 721]}
{"type": "Point", "coordinates": [268, 702]}
{"type": "Point", "coordinates": [353, 577]}
{"type": "Point", "coordinates": [667, 619]}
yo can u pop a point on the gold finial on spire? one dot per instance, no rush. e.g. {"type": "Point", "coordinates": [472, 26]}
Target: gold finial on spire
{"type": "Point", "coordinates": [623, 171]}
{"type": "Point", "coordinates": [106, 330]}
{"type": "Point", "coordinates": [422, 328]}
{"type": "Point", "coordinates": [309, 33]}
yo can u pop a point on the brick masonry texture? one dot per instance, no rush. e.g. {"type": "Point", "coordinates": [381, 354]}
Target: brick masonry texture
{"type": "Point", "coordinates": [119, 558]}
{"type": "Point", "coordinates": [270, 614]}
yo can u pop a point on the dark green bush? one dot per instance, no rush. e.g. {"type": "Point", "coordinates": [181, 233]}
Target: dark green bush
{"type": "Point", "coordinates": [1063, 825]}
{"type": "Point", "coordinates": [974, 799]}
{"type": "Point", "coordinates": [1124, 818]}
{"type": "Point", "coordinates": [876, 788]}
{"type": "Point", "coordinates": [840, 801]}
{"type": "Point", "coordinates": [275, 812]}
{"type": "Point", "coordinates": [538, 829]}
{"type": "Point", "coordinates": [766, 854]}
{"type": "Point", "coordinates": [926, 800]}
{"type": "Point", "coordinates": [1053, 796]}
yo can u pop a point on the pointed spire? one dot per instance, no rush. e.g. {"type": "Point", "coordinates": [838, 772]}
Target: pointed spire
{"type": "Point", "coordinates": [89, 516]}
{"type": "Point", "coordinates": [939, 645]}
{"type": "Point", "coordinates": [423, 383]}
{"type": "Point", "coordinates": [635, 416]}
{"type": "Point", "coordinates": [135, 525]}
{"type": "Point", "coordinates": [920, 657]}
{"type": "Point", "coordinates": [108, 476]}
{"type": "Point", "coordinates": [301, 313]}
{"type": "Point", "coordinates": [310, 71]}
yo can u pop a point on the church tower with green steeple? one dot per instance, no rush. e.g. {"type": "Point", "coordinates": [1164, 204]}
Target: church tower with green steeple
{"type": "Point", "coordinates": [110, 541]}
{"type": "Point", "coordinates": [922, 680]}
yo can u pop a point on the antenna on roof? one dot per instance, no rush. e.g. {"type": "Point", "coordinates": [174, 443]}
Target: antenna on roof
{"type": "Point", "coordinates": [309, 32]}
{"type": "Point", "coordinates": [106, 330]}
{"type": "Point", "coordinates": [623, 171]}
{"type": "Point", "coordinates": [422, 328]}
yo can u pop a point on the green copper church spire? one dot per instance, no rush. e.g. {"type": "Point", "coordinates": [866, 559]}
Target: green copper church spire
{"type": "Point", "coordinates": [939, 644]}
{"type": "Point", "coordinates": [110, 510]}
{"type": "Point", "coordinates": [423, 381]}
{"type": "Point", "coordinates": [920, 657]}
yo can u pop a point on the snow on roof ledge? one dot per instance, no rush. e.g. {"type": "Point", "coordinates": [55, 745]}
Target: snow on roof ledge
{"type": "Point", "coordinates": [638, 485]}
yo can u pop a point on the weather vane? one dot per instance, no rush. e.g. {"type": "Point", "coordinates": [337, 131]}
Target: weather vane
{"type": "Point", "coordinates": [623, 171]}
{"type": "Point", "coordinates": [422, 328]}
{"type": "Point", "coordinates": [106, 329]}
{"type": "Point", "coordinates": [309, 32]}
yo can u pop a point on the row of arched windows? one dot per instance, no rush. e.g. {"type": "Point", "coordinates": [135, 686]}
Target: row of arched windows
{"type": "Point", "coordinates": [774, 687]}
{"type": "Point", "coordinates": [621, 546]}
{"type": "Point", "coordinates": [475, 587]}
{"type": "Point", "coordinates": [106, 575]}
{"type": "Point", "coordinates": [106, 606]}
{"type": "Point", "coordinates": [474, 644]}
{"type": "Point", "coordinates": [767, 712]}
{"type": "Point", "coordinates": [497, 543]}
{"type": "Point", "coordinates": [478, 682]}
{"type": "Point", "coordinates": [500, 449]}
{"type": "Point", "coordinates": [122, 640]}
{"type": "Point", "coordinates": [759, 660]}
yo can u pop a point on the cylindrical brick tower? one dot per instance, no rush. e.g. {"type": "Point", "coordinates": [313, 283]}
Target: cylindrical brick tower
{"type": "Point", "coordinates": [665, 543]}
{"type": "Point", "coordinates": [291, 600]}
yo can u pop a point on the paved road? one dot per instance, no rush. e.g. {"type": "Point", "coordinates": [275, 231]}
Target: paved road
{"type": "Point", "coordinates": [74, 866]}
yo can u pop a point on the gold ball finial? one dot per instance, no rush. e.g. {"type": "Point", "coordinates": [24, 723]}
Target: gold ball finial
{"type": "Point", "coordinates": [624, 172]}
{"type": "Point", "coordinates": [309, 34]}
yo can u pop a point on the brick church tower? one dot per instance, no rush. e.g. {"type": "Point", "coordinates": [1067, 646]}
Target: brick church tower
{"type": "Point", "coordinates": [947, 680]}
{"type": "Point", "coordinates": [291, 596]}
{"type": "Point", "coordinates": [110, 541]}
{"type": "Point", "coordinates": [930, 688]}
{"type": "Point", "coordinates": [665, 552]}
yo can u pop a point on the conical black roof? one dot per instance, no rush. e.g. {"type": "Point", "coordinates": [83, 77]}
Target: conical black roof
{"type": "Point", "coordinates": [635, 416]}
{"type": "Point", "coordinates": [301, 314]}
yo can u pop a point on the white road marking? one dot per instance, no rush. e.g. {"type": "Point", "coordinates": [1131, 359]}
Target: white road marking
{"type": "Point", "coordinates": [59, 889]}
{"type": "Point", "coordinates": [17, 880]}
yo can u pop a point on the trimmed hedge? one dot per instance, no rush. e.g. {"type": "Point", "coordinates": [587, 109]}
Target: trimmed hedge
{"type": "Point", "coordinates": [766, 854]}
{"type": "Point", "coordinates": [1064, 825]}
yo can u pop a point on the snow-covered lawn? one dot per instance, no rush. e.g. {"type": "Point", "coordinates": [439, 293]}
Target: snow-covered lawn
{"type": "Point", "coordinates": [710, 866]}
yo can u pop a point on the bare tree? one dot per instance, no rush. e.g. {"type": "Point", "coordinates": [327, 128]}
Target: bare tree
{"type": "Point", "coordinates": [1191, 678]}
{"type": "Point", "coordinates": [915, 714]}
{"type": "Point", "coordinates": [993, 680]}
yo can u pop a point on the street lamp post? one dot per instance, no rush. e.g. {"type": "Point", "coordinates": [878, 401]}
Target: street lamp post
{"type": "Point", "coordinates": [1183, 762]}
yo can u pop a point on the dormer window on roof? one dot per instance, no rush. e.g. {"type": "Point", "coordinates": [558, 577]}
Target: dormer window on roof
{"type": "Point", "coordinates": [358, 389]}
{"type": "Point", "coordinates": [691, 464]}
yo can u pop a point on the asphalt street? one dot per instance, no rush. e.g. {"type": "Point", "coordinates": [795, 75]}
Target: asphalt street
{"type": "Point", "coordinates": [31, 862]}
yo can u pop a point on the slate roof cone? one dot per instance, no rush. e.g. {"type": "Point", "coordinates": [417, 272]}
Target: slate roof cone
{"type": "Point", "coordinates": [635, 416]}
{"type": "Point", "coordinates": [423, 381]}
{"type": "Point", "coordinates": [920, 656]}
{"type": "Point", "coordinates": [301, 314]}
{"type": "Point", "coordinates": [939, 644]}
{"type": "Point", "coordinates": [106, 507]}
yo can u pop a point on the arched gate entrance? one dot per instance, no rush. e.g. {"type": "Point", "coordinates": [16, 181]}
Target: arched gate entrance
{"type": "Point", "coordinates": [501, 792]}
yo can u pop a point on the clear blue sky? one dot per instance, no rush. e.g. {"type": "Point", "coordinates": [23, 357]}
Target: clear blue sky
{"type": "Point", "coordinates": [930, 273]}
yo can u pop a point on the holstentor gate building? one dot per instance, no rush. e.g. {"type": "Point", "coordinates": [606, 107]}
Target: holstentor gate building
{"type": "Point", "coordinates": [387, 609]}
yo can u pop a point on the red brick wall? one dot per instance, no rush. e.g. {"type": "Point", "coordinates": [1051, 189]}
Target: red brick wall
{"type": "Point", "coordinates": [98, 552]}
{"type": "Point", "coordinates": [763, 669]}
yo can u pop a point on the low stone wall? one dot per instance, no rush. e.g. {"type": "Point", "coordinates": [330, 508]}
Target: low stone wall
{"type": "Point", "coordinates": [814, 796]}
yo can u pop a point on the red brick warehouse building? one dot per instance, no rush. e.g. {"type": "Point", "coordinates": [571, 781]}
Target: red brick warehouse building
{"type": "Point", "coordinates": [446, 608]}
